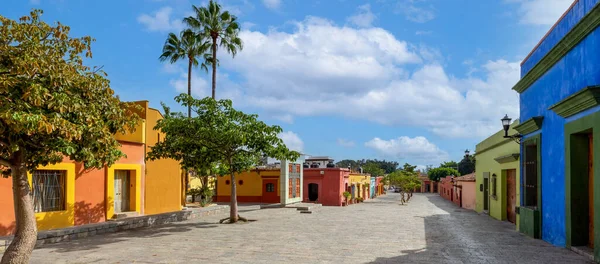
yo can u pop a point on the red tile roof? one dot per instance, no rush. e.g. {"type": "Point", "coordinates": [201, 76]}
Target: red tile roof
{"type": "Point", "coordinates": [468, 177]}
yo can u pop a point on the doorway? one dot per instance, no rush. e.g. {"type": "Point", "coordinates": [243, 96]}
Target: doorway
{"type": "Point", "coordinates": [269, 194]}
{"type": "Point", "coordinates": [511, 195]}
{"type": "Point", "coordinates": [590, 177]}
{"type": "Point", "coordinates": [486, 196]}
{"type": "Point", "coordinates": [582, 190]}
{"type": "Point", "coordinates": [313, 192]}
{"type": "Point", "coordinates": [121, 184]}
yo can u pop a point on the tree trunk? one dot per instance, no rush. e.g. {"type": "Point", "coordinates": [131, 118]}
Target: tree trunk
{"type": "Point", "coordinates": [23, 243]}
{"type": "Point", "coordinates": [233, 209]}
{"type": "Point", "coordinates": [214, 67]}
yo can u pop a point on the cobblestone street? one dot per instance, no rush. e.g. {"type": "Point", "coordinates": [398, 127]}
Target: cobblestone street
{"type": "Point", "coordinates": [428, 230]}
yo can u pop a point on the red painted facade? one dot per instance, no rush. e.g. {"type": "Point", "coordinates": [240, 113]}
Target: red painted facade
{"type": "Point", "coordinates": [448, 190]}
{"type": "Point", "coordinates": [329, 182]}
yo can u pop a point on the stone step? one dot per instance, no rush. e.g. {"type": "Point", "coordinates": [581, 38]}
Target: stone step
{"type": "Point", "coordinates": [306, 212]}
{"type": "Point", "coordinates": [123, 215]}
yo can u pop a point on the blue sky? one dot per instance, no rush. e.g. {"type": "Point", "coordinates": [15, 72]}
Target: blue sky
{"type": "Point", "coordinates": [415, 81]}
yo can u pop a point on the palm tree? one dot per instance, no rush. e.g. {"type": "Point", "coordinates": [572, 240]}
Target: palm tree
{"type": "Point", "coordinates": [190, 46]}
{"type": "Point", "coordinates": [218, 25]}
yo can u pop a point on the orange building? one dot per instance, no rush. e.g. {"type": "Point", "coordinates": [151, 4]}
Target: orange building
{"type": "Point", "coordinates": [65, 194]}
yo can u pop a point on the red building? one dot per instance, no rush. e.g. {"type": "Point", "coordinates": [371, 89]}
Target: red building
{"type": "Point", "coordinates": [449, 191]}
{"type": "Point", "coordinates": [325, 185]}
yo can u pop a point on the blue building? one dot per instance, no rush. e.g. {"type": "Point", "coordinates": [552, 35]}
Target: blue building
{"type": "Point", "coordinates": [560, 130]}
{"type": "Point", "coordinates": [372, 187]}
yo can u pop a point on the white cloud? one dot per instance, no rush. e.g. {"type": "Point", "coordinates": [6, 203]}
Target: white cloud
{"type": "Point", "coordinates": [364, 18]}
{"type": "Point", "coordinates": [292, 141]}
{"type": "Point", "coordinates": [345, 143]}
{"type": "Point", "coordinates": [272, 4]}
{"type": "Point", "coordinates": [248, 25]}
{"type": "Point", "coordinates": [416, 10]}
{"type": "Point", "coordinates": [417, 149]}
{"type": "Point", "coordinates": [286, 118]}
{"type": "Point", "coordinates": [377, 78]}
{"type": "Point", "coordinates": [160, 21]}
{"type": "Point", "coordinates": [541, 12]}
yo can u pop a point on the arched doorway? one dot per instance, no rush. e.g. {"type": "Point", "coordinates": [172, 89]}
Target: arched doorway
{"type": "Point", "coordinates": [313, 192]}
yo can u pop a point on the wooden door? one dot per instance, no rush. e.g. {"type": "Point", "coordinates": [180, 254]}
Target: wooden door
{"type": "Point", "coordinates": [591, 192]}
{"type": "Point", "coordinates": [511, 195]}
{"type": "Point", "coordinates": [121, 185]}
{"type": "Point", "coordinates": [269, 194]}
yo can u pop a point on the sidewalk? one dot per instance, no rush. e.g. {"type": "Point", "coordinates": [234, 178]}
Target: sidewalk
{"type": "Point", "coordinates": [111, 226]}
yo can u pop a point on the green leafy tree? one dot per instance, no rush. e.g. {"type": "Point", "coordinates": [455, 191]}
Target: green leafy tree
{"type": "Point", "coordinates": [466, 165]}
{"type": "Point", "coordinates": [409, 168]}
{"type": "Point", "coordinates": [373, 169]}
{"type": "Point", "coordinates": [449, 164]}
{"type": "Point", "coordinates": [221, 134]}
{"type": "Point", "coordinates": [438, 173]}
{"type": "Point", "coordinates": [221, 27]}
{"type": "Point", "coordinates": [51, 106]}
{"type": "Point", "coordinates": [188, 46]}
{"type": "Point", "coordinates": [347, 163]}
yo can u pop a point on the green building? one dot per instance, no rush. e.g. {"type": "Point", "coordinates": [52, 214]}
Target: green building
{"type": "Point", "coordinates": [497, 176]}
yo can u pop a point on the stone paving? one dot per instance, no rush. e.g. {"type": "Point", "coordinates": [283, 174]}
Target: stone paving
{"type": "Point", "coordinates": [427, 230]}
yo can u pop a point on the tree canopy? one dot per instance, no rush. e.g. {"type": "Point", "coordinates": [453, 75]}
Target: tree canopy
{"type": "Point", "coordinates": [219, 134]}
{"type": "Point", "coordinates": [466, 165]}
{"type": "Point", "coordinates": [386, 166]}
{"type": "Point", "coordinates": [51, 106]}
{"type": "Point", "coordinates": [449, 164]}
{"type": "Point", "coordinates": [438, 173]}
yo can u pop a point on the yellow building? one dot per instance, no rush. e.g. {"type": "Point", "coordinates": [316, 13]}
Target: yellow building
{"type": "Point", "coordinates": [131, 186]}
{"type": "Point", "coordinates": [359, 185]}
{"type": "Point", "coordinates": [255, 186]}
{"type": "Point", "coordinates": [164, 189]}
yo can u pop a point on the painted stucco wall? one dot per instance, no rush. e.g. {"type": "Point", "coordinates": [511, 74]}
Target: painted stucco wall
{"type": "Point", "coordinates": [86, 194]}
{"type": "Point", "coordinates": [331, 184]}
{"type": "Point", "coordinates": [162, 192]}
{"type": "Point", "coordinates": [249, 191]}
{"type": "Point", "coordinates": [576, 70]}
{"type": "Point", "coordinates": [468, 195]}
{"type": "Point", "coordinates": [372, 188]}
{"type": "Point", "coordinates": [486, 151]}
{"type": "Point", "coordinates": [284, 181]}
{"type": "Point", "coordinates": [358, 181]}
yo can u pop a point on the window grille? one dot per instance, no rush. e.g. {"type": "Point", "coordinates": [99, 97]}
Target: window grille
{"type": "Point", "coordinates": [48, 190]}
{"type": "Point", "coordinates": [290, 186]}
{"type": "Point", "coordinates": [270, 187]}
{"type": "Point", "coordinates": [297, 187]}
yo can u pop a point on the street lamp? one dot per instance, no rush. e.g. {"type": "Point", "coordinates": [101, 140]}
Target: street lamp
{"type": "Point", "coordinates": [506, 124]}
{"type": "Point", "coordinates": [467, 152]}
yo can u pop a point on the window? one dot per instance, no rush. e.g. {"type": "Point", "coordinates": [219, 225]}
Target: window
{"type": "Point", "coordinates": [290, 186]}
{"type": "Point", "coordinates": [241, 182]}
{"type": "Point", "coordinates": [297, 188]}
{"type": "Point", "coordinates": [494, 185]}
{"type": "Point", "coordinates": [48, 190]}
{"type": "Point", "coordinates": [530, 177]}
{"type": "Point", "coordinates": [227, 182]}
{"type": "Point", "coordinates": [157, 137]}
{"type": "Point", "coordinates": [270, 187]}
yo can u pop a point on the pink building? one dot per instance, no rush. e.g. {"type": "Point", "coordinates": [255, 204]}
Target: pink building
{"type": "Point", "coordinates": [459, 190]}
{"type": "Point", "coordinates": [466, 188]}
{"type": "Point", "coordinates": [325, 185]}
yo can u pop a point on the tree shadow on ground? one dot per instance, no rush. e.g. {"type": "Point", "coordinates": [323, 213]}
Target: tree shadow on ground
{"type": "Point", "coordinates": [457, 235]}
{"type": "Point", "coordinates": [94, 242]}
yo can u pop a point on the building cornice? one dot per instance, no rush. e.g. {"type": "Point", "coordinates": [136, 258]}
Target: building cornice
{"type": "Point", "coordinates": [585, 26]}
{"type": "Point", "coordinates": [586, 98]}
